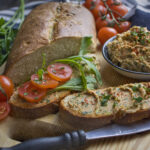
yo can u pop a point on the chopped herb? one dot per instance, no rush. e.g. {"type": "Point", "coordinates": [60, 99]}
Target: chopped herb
{"type": "Point", "coordinates": [105, 99]}
{"type": "Point", "coordinates": [25, 94]}
{"type": "Point", "coordinates": [36, 98]}
{"type": "Point", "coordinates": [134, 88]}
{"type": "Point", "coordinates": [115, 104]}
{"type": "Point", "coordinates": [138, 99]}
{"type": "Point", "coordinates": [147, 89]}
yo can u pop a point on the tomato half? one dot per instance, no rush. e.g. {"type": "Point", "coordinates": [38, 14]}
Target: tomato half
{"type": "Point", "coordinates": [91, 4]}
{"type": "Point", "coordinates": [119, 10]}
{"type": "Point", "coordinates": [105, 33]}
{"type": "Point", "coordinates": [124, 26]}
{"type": "Point", "coordinates": [45, 83]}
{"type": "Point", "coordinates": [99, 11]}
{"type": "Point", "coordinates": [6, 88]}
{"type": "Point", "coordinates": [103, 22]}
{"type": "Point", "coordinates": [31, 93]}
{"type": "Point", "coordinates": [4, 109]}
{"type": "Point", "coordinates": [60, 72]}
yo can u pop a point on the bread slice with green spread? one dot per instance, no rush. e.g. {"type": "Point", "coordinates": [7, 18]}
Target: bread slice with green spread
{"type": "Point", "coordinates": [124, 104]}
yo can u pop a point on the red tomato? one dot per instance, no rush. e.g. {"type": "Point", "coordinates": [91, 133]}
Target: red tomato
{"type": "Point", "coordinates": [119, 10]}
{"type": "Point", "coordinates": [91, 4]}
{"type": "Point", "coordinates": [31, 93]}
{"type": "Point", "coordinates": [103, 22]}
{"type": "Point", "coordinates": [124, 26]}
{"type": "Point", "coordinates": [99, 11]}
{"type": "Point", "coordinates": [105, 33]}
{"type": "Point", "coordinates": [113, 2]}
{"type": "Point", "coordinates": [45, 83]}
{"type": "Point", "coordinates": [4, 109]}
{"type": "Point", "coordinates": [60, 72]}
{"type": "Point", "coordinates": [6, 88]}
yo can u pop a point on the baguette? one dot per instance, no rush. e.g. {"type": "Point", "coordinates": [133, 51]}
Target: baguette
{"type": "Point", "coordinates": [55, 29]}
{"type": "Point", "coordinates": [124, 104]}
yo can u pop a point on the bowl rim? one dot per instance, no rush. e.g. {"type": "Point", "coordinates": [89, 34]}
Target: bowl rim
{"type": "Point", "coordinates": [111, 63]}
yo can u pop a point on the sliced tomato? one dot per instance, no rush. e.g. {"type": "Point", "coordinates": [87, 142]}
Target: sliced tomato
{"type": "Point", "coordinates": [60, 72]}
{"type": "Point", "coordinates": [4, 109]}
{"type": "Point", "coordinates": [31, 93]}
{"type": "Point", "coordinates": [45, 83]}
{"type": "Point", "coordinates": [6, 88]}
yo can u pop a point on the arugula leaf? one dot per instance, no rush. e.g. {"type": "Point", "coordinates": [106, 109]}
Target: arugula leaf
{"type": "Point", "coordinates": [85, 43]}
{"type": "Point", "coordinates": [43, 69]}
{"type": "Point", "coordinates": [8, 33]}
{"type": "Point", "coordinates": [75, 84]}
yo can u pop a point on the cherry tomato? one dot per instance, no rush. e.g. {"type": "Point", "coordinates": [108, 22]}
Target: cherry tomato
{"type": "Point", "coordinates": [105, 33]}
{"type": "Point", "coordinates": [119, 10]}
{"type": "Point", "coordinates": [45, 83]}
{"type": "Point", "coordinates": [6, 88]}
{"type": "Point", "coordinates": [99, 11]}
{"type": "Point", "coordinates": [103, 22]}
{"type": "Point", "coordinates": [60, 72]}
{"type": "Point", "coordinates": [31, 93]}
{"type": "Point", "coordinates": [124, 26]}
{"type": "Point", "coordinates": [113, 2]}
{"type": "Point", "coordinates": [4, 109]}
{"type": "Point", "coordinates": [91, 4]}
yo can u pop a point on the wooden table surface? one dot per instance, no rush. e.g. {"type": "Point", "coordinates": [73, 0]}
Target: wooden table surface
{"type": "Point", "coordinates": [134, 142]}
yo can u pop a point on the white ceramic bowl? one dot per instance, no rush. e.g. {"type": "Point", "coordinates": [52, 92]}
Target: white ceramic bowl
{"type": "Point", "coordinates": [125, 72]}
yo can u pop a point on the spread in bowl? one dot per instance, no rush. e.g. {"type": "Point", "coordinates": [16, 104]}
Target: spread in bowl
{"type": "Point", "coordinates": [131, 50]}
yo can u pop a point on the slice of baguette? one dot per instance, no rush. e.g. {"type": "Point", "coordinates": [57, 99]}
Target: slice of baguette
{"type": "Point", "coordinates": [100, 107]}
{"type": "Point", "coordinates": [23, 109]}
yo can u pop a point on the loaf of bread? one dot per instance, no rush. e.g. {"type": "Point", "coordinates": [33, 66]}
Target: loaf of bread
{"type": "Point", "coordinates": [55, 29]}
{"type": "Point", "coordinates": [124, 104]}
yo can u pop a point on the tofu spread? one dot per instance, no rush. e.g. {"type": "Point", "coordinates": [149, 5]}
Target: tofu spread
{"type": "Point", "coordinates": [113, 101]}
{"type": "Point", "coordinates": [131, 50]}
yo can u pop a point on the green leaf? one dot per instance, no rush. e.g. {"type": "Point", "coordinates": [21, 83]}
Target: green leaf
{"type": "Point", "coordinates": [75, 84]}
{"type": "Point", "coordinates": [138, 99]}
{"type": "Point", "coordinates": [85, 43]}
{"type": "Point", "coordinates": [2, 21]}
{"type": "Point", "coordinates": [95, 71]}
{"type": "Point", "coordinates": [40, 74]}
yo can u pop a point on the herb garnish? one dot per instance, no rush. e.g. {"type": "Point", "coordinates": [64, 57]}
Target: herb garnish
{"type": "Point", "coordinates": [138, 99]}
{"type": "Point", "coordinates": [134, 88]}
{"type": "Point", "coordinates": [8, 33]}
{"type": "Point", "coordinates": [105, 99]}
{"type": "Point", "coordinates": [43, 69]}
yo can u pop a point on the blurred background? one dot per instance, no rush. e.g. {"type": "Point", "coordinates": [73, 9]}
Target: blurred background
{"type": "Point", "coordinates": [5, 4]}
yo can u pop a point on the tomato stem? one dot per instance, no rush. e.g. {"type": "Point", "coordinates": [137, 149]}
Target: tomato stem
{"type": "Point", "coordinates": [110, 11]}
